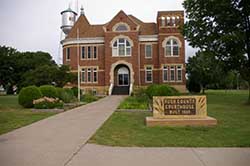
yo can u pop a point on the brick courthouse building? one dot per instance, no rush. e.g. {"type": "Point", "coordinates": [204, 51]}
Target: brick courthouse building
{"type": "Point", "coordinates": [127, 53]}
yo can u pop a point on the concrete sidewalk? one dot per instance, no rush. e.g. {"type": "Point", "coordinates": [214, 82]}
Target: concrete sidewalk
{"type": "Point", "coordinates": [97, 155]}
{"type": "Point", "coordinates": [55, 140]}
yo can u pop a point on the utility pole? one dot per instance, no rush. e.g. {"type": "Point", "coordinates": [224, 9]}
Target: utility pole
{"type": "Point", "coordinates": [78, 67]}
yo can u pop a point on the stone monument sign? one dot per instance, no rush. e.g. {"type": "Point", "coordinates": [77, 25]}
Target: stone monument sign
{"type": "Point", "coordinates": [180, 110]}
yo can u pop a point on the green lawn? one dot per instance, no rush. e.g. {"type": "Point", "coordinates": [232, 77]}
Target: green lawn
{"type": "Point", "coordinates": [133, 102]}
{"type": "Point", "coordinates": [228, 107]}
{"type": "Point", "coordinates": [13, 116]}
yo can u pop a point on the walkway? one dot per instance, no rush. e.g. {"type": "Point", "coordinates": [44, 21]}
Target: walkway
{"type": "Point", "coordinates": [53, 141]}
{"type": "Point", "coordinates": [61, 141]}
{"type": "Point", "coordinates": [97, 155]}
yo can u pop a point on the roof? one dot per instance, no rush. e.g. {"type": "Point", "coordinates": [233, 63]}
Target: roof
{"type": "Point", "coordinates": [86, 30]}
{"type": "Point", "coordinates": [145, 28]}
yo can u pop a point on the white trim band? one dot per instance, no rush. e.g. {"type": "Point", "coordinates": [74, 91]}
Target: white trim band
{"type": "Point", "coordinates": [148, 38]}
{"type": "Point", "coordinates": [95, 40]}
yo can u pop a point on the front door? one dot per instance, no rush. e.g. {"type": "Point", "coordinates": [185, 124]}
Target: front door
{"type": "Point", "coordinates": [123, 76]}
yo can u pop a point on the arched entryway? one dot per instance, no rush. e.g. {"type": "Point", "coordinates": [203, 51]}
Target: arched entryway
{"type": "Point", "coordinates": [121, 78]}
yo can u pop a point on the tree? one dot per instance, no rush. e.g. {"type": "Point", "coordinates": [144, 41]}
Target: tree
{"type": "Point", "coordinates": [223, 28]}
{"type": "Point", "coordinates": [6, 66]}
{"type": "Point", "coordinates": [47, 75]}
{"type": "Point", "coordinates": [203, 69]}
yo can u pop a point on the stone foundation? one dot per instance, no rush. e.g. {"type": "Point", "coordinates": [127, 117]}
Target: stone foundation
{"type": "Point", "coordinates": [207, 121]}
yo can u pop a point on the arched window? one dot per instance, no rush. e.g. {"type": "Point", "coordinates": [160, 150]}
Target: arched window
{"type": "Point", "coordinates": [121, 27]}
{"type": "Point", "coordinates": [121, 47]}
{"type": "Point", "coordinates": [172, 47]}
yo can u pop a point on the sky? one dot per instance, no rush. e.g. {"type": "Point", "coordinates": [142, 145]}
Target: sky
{"type": "Point", "coordinates": [34, 25]}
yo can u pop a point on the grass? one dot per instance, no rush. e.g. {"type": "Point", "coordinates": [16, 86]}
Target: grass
{"type": "Point", "coordinates": [133, 102]}
{"type": "Point", "coordinates": [228, 107]}
{"type": "Point", "coordinates": [13, 116]}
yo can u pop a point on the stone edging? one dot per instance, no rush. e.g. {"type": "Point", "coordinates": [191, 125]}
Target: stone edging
{"type": "Point", "coordinates": [132, 110]}
{"type": "Point", "coordinates": [48, 110]}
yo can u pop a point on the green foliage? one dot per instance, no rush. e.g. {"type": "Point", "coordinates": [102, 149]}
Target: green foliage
{"type": "Point", "coordinates": [128, 128]}
{"type": "Point", "coordinates": [135, 102]}
{"type": "Point", "coordinates": [48, 91]}
{"type": "Point", "coordinates": [88, 98]}
{"type": "Point", "coordinates": [27, 95]}
{"type": "Point", "coordinates": [75, 91]}
{"type": "Point", "coordinates": [222, 28]}
{"type": "Point", "coordinates": [66, 95]}
{"type": "Point", "coordinates": [161, 90]}
{"type": "Point", "coordinates": [13, 116]}
{"type": "Point", "coordinates": [193, 86]}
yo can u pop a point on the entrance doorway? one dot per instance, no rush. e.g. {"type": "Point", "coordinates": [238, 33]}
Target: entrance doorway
{"type": "Point", "coordinates": [123, 76]}
{"type": "Point", "coordinates": [121, 80]}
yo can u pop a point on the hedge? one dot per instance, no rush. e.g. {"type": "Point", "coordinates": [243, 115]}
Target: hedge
{"type": "Point", "coordinates": [27, 95]}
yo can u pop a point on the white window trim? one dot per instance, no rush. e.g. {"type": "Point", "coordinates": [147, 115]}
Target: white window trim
{"type": "Point", "coordinates": [146, 81]}
{"type": "Point", "coordinates": [118, 24]}
{"type": "Point", "coordinates": [164, 45]}
{"type": "Point", "coordinates": [89, 71]}
{"type": "Point", "coordinates": [171, 74]}
{"type": "Point", "coordinates": [177, 75]}
{"type": "Point", "coordinates": [84, 53]}
{"type": "Point", "coordinates": [150, 57]}
{"type": "Point", "coordinates": [84, 75]}
{"type": "Point", "coordinates": [117, 55]}
{"type": "Point", "coordinates": [95, 70]}
{"type": "Point", "coordinates": [94, 53]}
{"type": "Point", "coordinates": [167, 73]}
{"type": "Point", "coordinates": [88, 52]}
{"type": "Point", "coordinates": [67, 59]}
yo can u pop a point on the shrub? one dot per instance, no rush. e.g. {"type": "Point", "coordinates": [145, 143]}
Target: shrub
{"type": "Point", "coordinates": [139, 92]}
{"type": "Point", "coordinates": [70, 95]}
{"type": "Point", "coordinates": [89, 98]}
{"type": "Point", "coordinates": [47, 103]}
{"type": "Point", "coordinates": [75, 91]}
{"type": "Point", "coordinates": [65, 95]}
{"type": "Point", "coordinates": [161, 90]}
{"type": "Point", "coordinates": [193, 86]}
{"type": "Point", "coordinates": [48, 91]}
{"type": "Point", "coordinates": [27, 95]}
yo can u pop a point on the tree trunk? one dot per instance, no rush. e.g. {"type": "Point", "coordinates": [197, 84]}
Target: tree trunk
{"type": "Point", "coordinates": [203, 90]}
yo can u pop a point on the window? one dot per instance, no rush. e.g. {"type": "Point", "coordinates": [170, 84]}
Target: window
{"type": "Point", "coordinates": [94, 74]}
{"type": "Point", "coordinates": [121, 47]}
{"type": "Point", "coordinates": [148, 51]}
{"type": "Point", "coordinates": [168, 21]}
{"type": "Point", "coordinates": [83, 53]}
{"type": "Point", "coordinates": [163, 23]}
{"type": "Point", "coordinates": [121, 27]}
{"type": "Point", "coordinates": [179, 73]}
{"type": "Point", "coordinates": [89, 52]}
{"type": "Point", "coordinates": [68, 54]}
{"type": "Point", "coordinates": [149, 74]}
{"type": "Point", "coordinates": [165, 73]}
{"type": "Point", "coordinates": [89, 74]}
{"type": "Point", "coordinates": [172, 73]}
{"type": "Point", "coordinates": [172, 48]}
{"type": "Point", "coordinates": [173, 21]}
{"type": "Point", "coordinates": [83, 75]}
{"type": "Point", "coordinates": [95, 52]}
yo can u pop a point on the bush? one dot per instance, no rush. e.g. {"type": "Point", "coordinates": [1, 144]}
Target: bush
{"type": "Point", "coordinates": [193, 86]}
{"type": "Point", "coordinates": [161, 90]}
{"type": "Point", "coordinates": [89, 98]}
{"type": "Point", "coordinates": [47, 103]}
{"type": "Point", "coordinates": [66, 95]}
{"type": "Point", "coordinates": [75, 91]}
{"type": "Point", "coordinates": [48, 91]}
{"type": "Point", "coordinates": [27, 95]}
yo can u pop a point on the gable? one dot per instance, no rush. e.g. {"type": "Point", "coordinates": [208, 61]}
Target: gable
{"type": "Point", "coordinates": [122, 18]}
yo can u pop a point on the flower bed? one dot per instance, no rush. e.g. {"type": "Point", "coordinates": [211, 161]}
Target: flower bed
{"type": "Point", "coordinates": [47, 103]}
